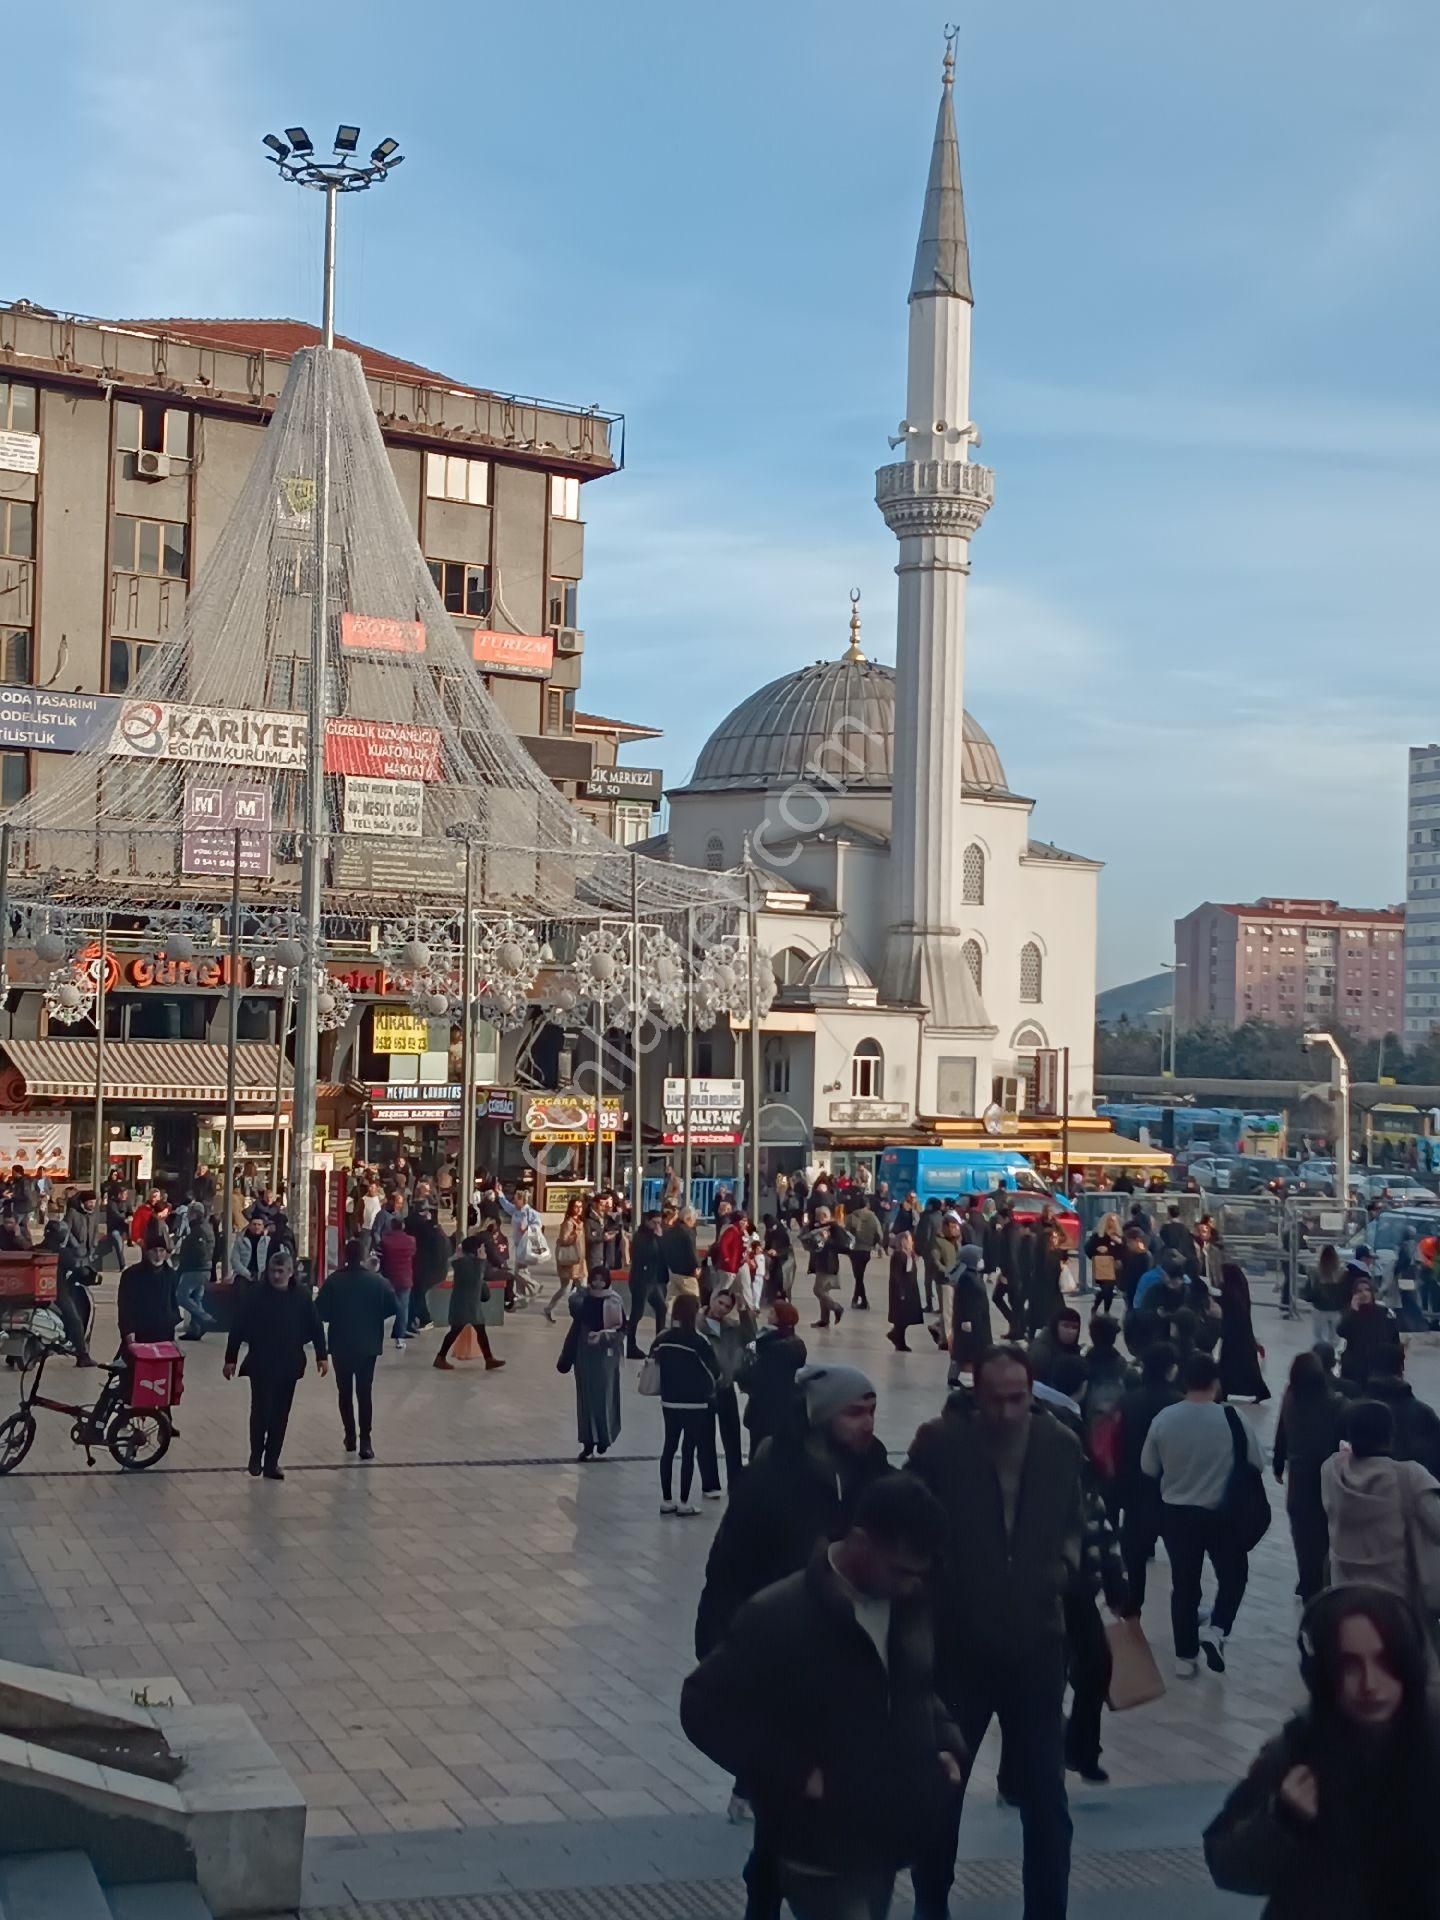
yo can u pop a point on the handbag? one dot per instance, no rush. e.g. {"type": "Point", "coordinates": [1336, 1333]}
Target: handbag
{"type": "Point", "coordinates": [1246, 1505]}
{"type": "Point", "coordinates": [649, 1381]}
{"type": "Point", "coordinates": [536, 1245]}
{"type": "Point", "coordinates": [1134, 1677]}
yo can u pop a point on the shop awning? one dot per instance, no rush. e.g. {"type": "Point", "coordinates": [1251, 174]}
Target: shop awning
{"type": "Point", "coordinates": [160, 1070]}
{"type": "Point", "coordinates": [1090, 1147]}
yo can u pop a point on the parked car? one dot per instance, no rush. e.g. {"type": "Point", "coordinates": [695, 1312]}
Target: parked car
{"type": "Point", "coordinates": [1385, 1232]}
{"type": "Point", "coordinates": [1317, 1176]}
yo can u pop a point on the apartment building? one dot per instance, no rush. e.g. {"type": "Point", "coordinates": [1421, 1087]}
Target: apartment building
{"type": "Point", "coordinates": [1296, 962]}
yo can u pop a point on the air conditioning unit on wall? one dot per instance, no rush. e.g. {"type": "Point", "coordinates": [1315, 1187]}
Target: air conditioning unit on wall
{"type": "Point", "coordinates": [153, 466]}
{"type": "Point", "coordinates": [568, 639]}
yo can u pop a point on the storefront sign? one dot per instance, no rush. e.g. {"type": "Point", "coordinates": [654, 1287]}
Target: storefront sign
{"type": "Point", "coordinates": [400, 1032]}
{"type": "Point", "coordinates": [624, 783]}
{"type": "Point", "coordinates": [39, 1146]}
{"type": "Point", "coordinates": [422, 1102]}
{"type": "Point", "coordinates": [717, 1112]}
{"type": "Point", "coordinates": [382, 749]}
{"type": "Point", "coordinates": [568, 1119]}
{"type": "Point", "coordinates": [208, 736]}
{"type": "Point", "coordinates": [212, 815]}
{"type": "Point", "coordinates": [499, 1103]}
{"type": "Point", "coordinates": [19, 452]}
{"type": "Point", "coordinates": [377, 865]}
{"type": "Point", "coordinates": [869, 1113]}
{"type": "Point", "coordinates": [369, 633]}
{"type": "Point", "coordinates": [529, 654]}
{"type": "Point", "coordinates": [47, 722]}
{"type": "Point", "coordinates": [395, 808]}
{"type": "Point", "coordinates": [428, 1116]}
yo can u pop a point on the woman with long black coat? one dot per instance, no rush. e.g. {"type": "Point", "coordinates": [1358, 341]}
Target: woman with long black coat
{"type": "Point", "coordinates": [432, 1262]}
{"type": "Point", "coordinates": [275, 1324]}
{"type": "Point", "coordinates": [905, 1309]}
{"type": "Point", "coordinates": [1240, 1375]}
{"type": "Point", "coordinates": [1306, 1434]}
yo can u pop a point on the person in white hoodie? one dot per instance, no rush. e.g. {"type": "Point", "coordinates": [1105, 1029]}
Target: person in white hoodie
{"type": "Point", "coordinates": [1384, 1514]}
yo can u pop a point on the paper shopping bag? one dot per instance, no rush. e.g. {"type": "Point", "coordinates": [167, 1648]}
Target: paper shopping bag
{"type": "Point", "coordinates": [466, 1347]}
{"type": "Point", "coordinates": [1134, 1677]}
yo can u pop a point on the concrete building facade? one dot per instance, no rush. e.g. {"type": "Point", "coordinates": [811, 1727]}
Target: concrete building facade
{"type": "Point", "coordinates": [1422, 896]}
{"type": "Point", "coordinates": [1295, 962]}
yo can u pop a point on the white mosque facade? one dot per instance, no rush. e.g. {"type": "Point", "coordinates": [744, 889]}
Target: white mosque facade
{"type": "Point", "coordinates": [932, 953]}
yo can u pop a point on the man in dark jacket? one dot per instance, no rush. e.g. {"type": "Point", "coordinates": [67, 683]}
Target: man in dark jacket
{"type": "Point", "coordinates": [145, 1305]}
{"type": "Point", "coordinates": [649, 1277]}
{"type": "Point", "coordinates": [927, 1231]}
{"type": "Point", "coordinates": [195, 1263]}
{"type": "Point", "coordinates": [355, 1302]}
{"type": "Point", "coordinates": [276, 1322]}
{"type": "Point", "coordinates": [767, 1378]}
{"type": "Point", "coordinates": [1176, 1237]}
{"type": "Point", "coordinates": [970, 1317]}
{"type": "Point", "coordinates": [1009, 1480]}
{"type": "Point", "coordinates": [1367, 1330]}
{"type": "Point", "coordinates": [1417, 1426]}
{"type": "Point", "coordinates": [822, 1697]}
{"type": "Point", "coordinates": [1139, 1496]}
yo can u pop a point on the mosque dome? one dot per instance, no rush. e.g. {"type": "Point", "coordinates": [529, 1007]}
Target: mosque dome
{"type": "Point", "coordinates": [835, 718]}
{"type": "Point", "coordinates": [835, 972]}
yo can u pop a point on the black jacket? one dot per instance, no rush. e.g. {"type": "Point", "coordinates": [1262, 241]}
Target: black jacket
{"type": "Point", "coordinates": [1365, 1331]}
{"type": "Point", "coordinates": [647, 1263]}
{"type": "Point", "coordinates": [678, 1249]}
{"type": "Point", "coordinates": [1306, 1434]}
{"type": "Point", "coordinates": [768, 1380]}
{"type": "Point", "coordinates": [1137, 1410]}
{"type": "Point", "coordinates": [275, 1325]}
{"type": "Point", "coordinates": [145, 1303]}
{"type": "Point", "coordinates": [355, 1303]}
{"type": "Point", "coordinates": [797, 1684]}
{"type": "Point", "coordinates": [796, 1492]}
{"type": "Point", "coordinates": [971, 1310]}
{"type": "Point", "coordinates": [1001, 1597]}
{"type": "Point", "coordinates": [689, 1371]}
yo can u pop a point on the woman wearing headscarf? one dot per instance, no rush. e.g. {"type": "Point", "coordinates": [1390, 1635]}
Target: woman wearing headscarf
{"type": "Point", "coordinates": [275, 1324]}
{"type": "Point", "coordinates": [1062, 1335]}
{"type": "Point", "coordinates": [905, 1306]}
{"type": "Point", "coordinates": [593, 1349]}
{"type": "Point", "coordinates": [1240, 1375]}
{"type": "Point", "coordinates": [1336, 1818]}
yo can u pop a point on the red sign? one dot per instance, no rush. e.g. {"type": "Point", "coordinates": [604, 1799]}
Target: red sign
{"type": "Point", "coordinates": [369, 633]}
{"type": "Point", "coordinates": [531, 654]}
{"type": "Point", "coordinates": [383, 749]}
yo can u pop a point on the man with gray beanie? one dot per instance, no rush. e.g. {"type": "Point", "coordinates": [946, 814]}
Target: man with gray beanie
{"type": "Point", "coordinates": [799, 1492]}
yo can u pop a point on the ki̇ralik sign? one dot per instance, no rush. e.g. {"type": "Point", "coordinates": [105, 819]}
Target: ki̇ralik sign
{"type": "Point", "coordinates": [717, 1112]}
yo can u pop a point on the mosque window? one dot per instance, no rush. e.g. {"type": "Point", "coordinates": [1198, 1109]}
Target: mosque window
{"type": "Point", "coordinates": [1030, 972]}
{"type": "Point", "coordinates": [973, 877]}
{"type": "Point", "coordinates": [789, 964]}
{"type": "Point", "coordinates": [975, 961]}
{"type": "Point", "coordinates": [715, 853]}
{"type": "Point", "coordinates": [867, 1071]}
{"type": "Point", "coordinates": [777, 1068]}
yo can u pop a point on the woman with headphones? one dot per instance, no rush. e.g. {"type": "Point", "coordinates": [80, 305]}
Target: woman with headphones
{"type": "Point", "coordinates": [1336, 1819]}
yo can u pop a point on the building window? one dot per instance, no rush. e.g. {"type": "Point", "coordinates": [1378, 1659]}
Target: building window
{"type": "Point", "coordinates": [463, 588]}
{"type": "Point", "coordinates": [715, 853]}
{"type": "Point", "coordinates": [973, 877]}
{"type": "Point", "coordinates": [17, 529]}
{"type": "Point", "coordinates": [18, 407]}
{"type": "Point", "coordinates": [562, 601]}
{"type": "Point", "coordinates": [554, 710]}
{"type": "Point", "coordinates": [158, 547]}
{"type": "Point", "coordinates": [564, 497]}
{"type": "Point", "coordinates": [789, 964]}
{"type": "Point", "coordinates": [632, 822]}
{"type": "Point", "coordinates": [975, 960]}
{"type": "Point", "coordinates": [776, 1068]}
{"type": "Point", "coordinates": [14, 777]}
{"type": "Point", "coordinates": [127, 657]}
{"type": "Point", "coordinates": [867, 1071]}
{"type": "Point", "coordinates": [15, 656]}
{"type": "Point", "coordinates": [1030, 971]}
{"type": "Point", "coordinates": [451, 476]}
{"type": "Point", "coordinates": [149, 426]}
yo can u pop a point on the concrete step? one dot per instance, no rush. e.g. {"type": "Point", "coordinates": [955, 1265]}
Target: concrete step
{"type": "Point", "coordinates": [172, 1900]}
{"type": "Point", "coordinates": [50, 1886]}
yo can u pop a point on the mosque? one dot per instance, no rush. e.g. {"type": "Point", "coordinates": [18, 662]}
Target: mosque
{"type": "Point", "coordinates": [935, 960]}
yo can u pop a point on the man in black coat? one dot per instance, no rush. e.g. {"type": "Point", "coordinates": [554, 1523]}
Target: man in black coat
{"type": "Point", "coordinates": [1417, 1426]}
{"type": "Point", "coordinates": [1010, 1482]}
{"type": "Point", "coordinates": [1139, 1496]}
{"type": "Point", "coordinates": [276, 1322]}
{"type": "Point", "coordinates": [1176, 1237]}
{"type": "Point", "coordinates": [649, 1277]}
{"type": "Point", "coordinates": [822, 1697]}
{"type": "Point", "coordinates": [355, 1302]}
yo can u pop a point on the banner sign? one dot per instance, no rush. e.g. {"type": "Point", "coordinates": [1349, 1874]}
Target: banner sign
{"type": "Point", "coordinates": [392, 807]}
{"type": "Point", "coordinates": [19, 452]}
{"type": "Point", "coordinates": [424, 1101]}
{"type": "Point", "coordinates": [377, 865]}
{"type": "Point", "coordinates": [499, 1103]}
{"type": "Point", "coordinates": [717, 1112]}
{"type": "Point", "coordinates": [211, 816]}
{"type": "Point", "coordinates": [209, 736]}
{"type": "Point", "coordinates": [624, 783]}
{"type": "Point", "coordinates": [530, 654]}
{"type": "Point", "coordinates": [568, 1119]}
{"type": "Point", "coordinates": [371, 634]}
{"type": "Point", "coordinates": [46, 722]}
{"type": "Point", "coordinates": [382, 749]}
{"type": "Point", "coordinates": [37, 1145]}
{"type": "Point", "coordinates": [400, 1032]}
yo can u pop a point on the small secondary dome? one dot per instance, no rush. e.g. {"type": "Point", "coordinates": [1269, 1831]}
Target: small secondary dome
{"type": "Point", "coordinates": [833, 979]}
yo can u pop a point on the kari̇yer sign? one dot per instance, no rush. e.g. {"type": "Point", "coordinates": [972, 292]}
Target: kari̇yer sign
{"type": "Point", "coordinates": [228, 737]}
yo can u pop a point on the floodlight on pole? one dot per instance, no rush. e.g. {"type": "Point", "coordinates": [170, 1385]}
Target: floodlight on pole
{"type": "Point", "coordinates": [299, 165]}
{"type": "Point", "coordinates": [1340, 1080]}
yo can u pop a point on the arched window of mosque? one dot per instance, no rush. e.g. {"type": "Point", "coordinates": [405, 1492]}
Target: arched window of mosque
{"type": "Point", "coordinates": [975, 961]}
{"type": "Point", "coordinates": [1030, 975]}
{"type": "Point", "coordinates": [789, 963]}
{"type": "Point", "coordinates": [867, 1071]}
{"type": "Point", "coordinates": [973, 876]}
{"type": "Point", "coordinates": [715, 853]}
{"type": "Point", "coordinates": [777, 1067]}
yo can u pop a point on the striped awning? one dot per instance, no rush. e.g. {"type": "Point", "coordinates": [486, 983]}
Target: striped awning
{"type": "Point", "coordinates": [160, 1070]}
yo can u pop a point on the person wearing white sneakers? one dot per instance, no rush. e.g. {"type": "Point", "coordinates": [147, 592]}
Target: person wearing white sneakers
{"type": "Point", "coordinates": [1191, 1450]}
{"type": "Point", "coordinates": [689, 1376]}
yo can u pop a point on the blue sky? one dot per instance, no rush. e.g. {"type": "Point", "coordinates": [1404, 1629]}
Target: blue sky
{"type": "Point", "coordinates": [1204, 246]}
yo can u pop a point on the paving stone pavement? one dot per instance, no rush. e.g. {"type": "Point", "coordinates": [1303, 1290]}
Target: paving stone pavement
{"type": "Point", "coordinates": [475, 1633]}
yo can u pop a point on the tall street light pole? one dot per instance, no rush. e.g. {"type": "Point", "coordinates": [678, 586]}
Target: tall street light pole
{"type": "Point", "coordinates": [298, 162]}
{"type": "Point", "coordinates": [1176, 967]}
{"type": "Point", "coordinates": [1340, 1081]}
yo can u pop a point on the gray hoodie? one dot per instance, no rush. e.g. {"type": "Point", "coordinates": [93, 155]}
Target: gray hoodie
{"type": "Point", "coordinates": [1384, 1519]}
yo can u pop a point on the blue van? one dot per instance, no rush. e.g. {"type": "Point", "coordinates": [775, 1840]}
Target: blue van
{"type": "Point", "coordinates": [944, 1173]}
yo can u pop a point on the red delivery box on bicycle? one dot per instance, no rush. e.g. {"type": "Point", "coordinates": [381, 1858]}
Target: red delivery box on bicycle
{"type": "Point", "coordinates": [157, 1376]}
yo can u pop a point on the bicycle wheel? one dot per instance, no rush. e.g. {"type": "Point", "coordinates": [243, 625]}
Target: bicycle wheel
{"type": "Point", "coordinates": [137, 1439]}
{"type": "Point", "coordinates": [17, 1434]}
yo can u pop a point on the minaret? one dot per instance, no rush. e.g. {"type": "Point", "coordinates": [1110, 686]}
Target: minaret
{"type": "Point", "coordinates": [933, 500]}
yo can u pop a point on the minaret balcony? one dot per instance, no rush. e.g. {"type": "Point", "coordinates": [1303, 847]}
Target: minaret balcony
{"type": "Point", "coordinates": [941, 497]}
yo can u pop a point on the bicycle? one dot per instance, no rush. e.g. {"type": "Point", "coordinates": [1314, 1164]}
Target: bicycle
{"type": "Point", "coordinates": [137, 1437]}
